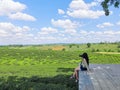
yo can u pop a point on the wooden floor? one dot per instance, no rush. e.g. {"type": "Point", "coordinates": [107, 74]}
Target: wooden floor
{"type": "Point", "coordinates": [101, 77]}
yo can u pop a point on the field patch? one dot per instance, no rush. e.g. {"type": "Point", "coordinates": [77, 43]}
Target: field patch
{"type": "Point", "coordinates": [108, 52]}
{"type": "Point", "coordinates": [58, 47]}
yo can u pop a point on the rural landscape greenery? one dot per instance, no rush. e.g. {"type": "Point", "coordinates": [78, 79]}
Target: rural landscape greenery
{"type": "Point", "coordinates": [49, 67]}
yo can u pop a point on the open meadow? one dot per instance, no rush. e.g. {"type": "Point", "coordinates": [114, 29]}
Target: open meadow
{"type": "Point", "coordinates": [48, 67]}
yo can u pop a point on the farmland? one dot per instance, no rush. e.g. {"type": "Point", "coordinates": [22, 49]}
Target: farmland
{"type": "Point", "coordinates": [48, 67]}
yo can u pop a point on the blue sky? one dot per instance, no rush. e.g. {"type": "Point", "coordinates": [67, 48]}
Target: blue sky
{"type": "Point", "coordinates": [57, 21]}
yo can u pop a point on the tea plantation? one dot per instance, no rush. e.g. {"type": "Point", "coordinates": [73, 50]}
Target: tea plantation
{"type": "Point", "coordinates": [48, 67]}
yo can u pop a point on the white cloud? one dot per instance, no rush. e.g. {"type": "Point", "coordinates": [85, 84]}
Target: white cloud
{"type": "Point", "coordinates": [13, 34]}
{"type": "Point", "coordinates": [92, 4]}
{"type": "Point", "coordinates": [78, 4]}
{"type": "Point", "coordinates": [49, 30]}
{"type": "Point", "coordinates": [85, 14]}
{"type": "Point", "coordinates": [72, 32]}
{"type": "Point", "coordinates": [60, 11]}
{"type": "Point", "coordinates": [46, 31]}
{"type": "Point", "coordinates": [79, 9]}
{"type": "Point", "coordinates": [66, 24]}
{"type": "Point", "coordinates": [105, 24]}
{"type": "Point", "coordinates": [14, 10]}
{"type": "Point", "coordinates": [109, 33]}
{"type": "Point", "coordinates": [8, 29]}
{"type": "Point", "coordinates": [3, 33]}
{"type": "Point", "coordinates": [98, 36]}
{"type": "Point", "coordinates": [21, 16]}
{"type": "Point", "coordinates": [9, 6]}
{"type": "Point", "coordinates": [108, 24]}
{"type": "Point", "coordinates": [47, 38]}
{"type": "Point", "coordinates": [83, 32]}
{"type": "Point", "coordinates": [118, 23]}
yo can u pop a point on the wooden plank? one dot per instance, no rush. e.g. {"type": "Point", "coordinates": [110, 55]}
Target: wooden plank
{"type": "Point", "coordinates": [97, 84]}
{"type": "Point", "coordinates": [102, 77]}
{"type": "Point", "coordinates": [111, 72]}
{"type": "Point", "coordinates": [110, 79]}
{"type": "Point", "coordinates": [105, 81]}
{"type": "Point", "coordinates": [84, 81]}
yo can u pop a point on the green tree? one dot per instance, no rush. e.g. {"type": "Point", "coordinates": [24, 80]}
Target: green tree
{"type": "Point", "coordinates": [77, 46]}
{"type": "Point", "coordinates": [106, 3]}
{"type": "Point", "coordinates": [88, 45]}
{"type": "Point", "coordinates": [118, 46]}
{"type": "Point", "coordinates": [70, 46]}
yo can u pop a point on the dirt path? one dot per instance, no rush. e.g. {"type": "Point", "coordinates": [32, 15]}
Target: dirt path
{"type": "Point", "coordinates": [108, 52]}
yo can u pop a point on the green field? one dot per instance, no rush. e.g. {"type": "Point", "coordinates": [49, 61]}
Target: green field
{"type": "Point", "coordinates": [48, 67]}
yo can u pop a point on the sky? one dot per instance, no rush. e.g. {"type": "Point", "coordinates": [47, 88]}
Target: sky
{"type": "Point", "coordinates": [57, 21]}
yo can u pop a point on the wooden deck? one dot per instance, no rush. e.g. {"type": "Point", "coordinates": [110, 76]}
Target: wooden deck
{"type": "Point", "coordinates": [101, 77]}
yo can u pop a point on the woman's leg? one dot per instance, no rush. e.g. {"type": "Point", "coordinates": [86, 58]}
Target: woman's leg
{"type": "Point", "coordinates": [76, 72]}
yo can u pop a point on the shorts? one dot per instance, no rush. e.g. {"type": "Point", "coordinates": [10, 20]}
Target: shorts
{"type": "Point", "coordinates": [83, 68]}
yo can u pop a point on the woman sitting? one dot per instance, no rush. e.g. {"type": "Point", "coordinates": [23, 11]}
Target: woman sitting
{"type": "Point", "coordinates": [84, 66]}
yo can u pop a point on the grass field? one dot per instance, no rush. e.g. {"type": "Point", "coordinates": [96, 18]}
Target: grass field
{"type": "Point", "coordinates": [48, 67]}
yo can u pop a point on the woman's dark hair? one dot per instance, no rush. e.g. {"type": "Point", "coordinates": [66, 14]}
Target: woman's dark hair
{"type": "Point", "coordinates": [85, 55]}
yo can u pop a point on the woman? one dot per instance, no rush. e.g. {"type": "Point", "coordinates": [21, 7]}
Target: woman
{"type": "Point", "coordinates": [84, 66]}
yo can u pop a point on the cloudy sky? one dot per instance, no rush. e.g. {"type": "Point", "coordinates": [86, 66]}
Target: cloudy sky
{"type": "Point", "coordinates": [57, 21]}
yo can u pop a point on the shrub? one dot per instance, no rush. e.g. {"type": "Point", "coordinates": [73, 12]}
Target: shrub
{"type": "Point", "coordinates": [88, 45]}
{"type": "Point", "coordinates": [97, 50]}
{"type": "Point", "coordinates": [70, 46]}
{"type": "Point", "coordinates": [105, 50]}
{"type": "Point", "coordinates": [93, 50]}
{"type": "Point", "coordinates": [109, 50]}
{"type": "Point", "coordinates": [118, 50]}
{"type": "Point", "coordinates": [77, 46]}
{"type": "Point", "coordinates": [118, 46]}
{"type": "Point", "coordinates": [63, 49]}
